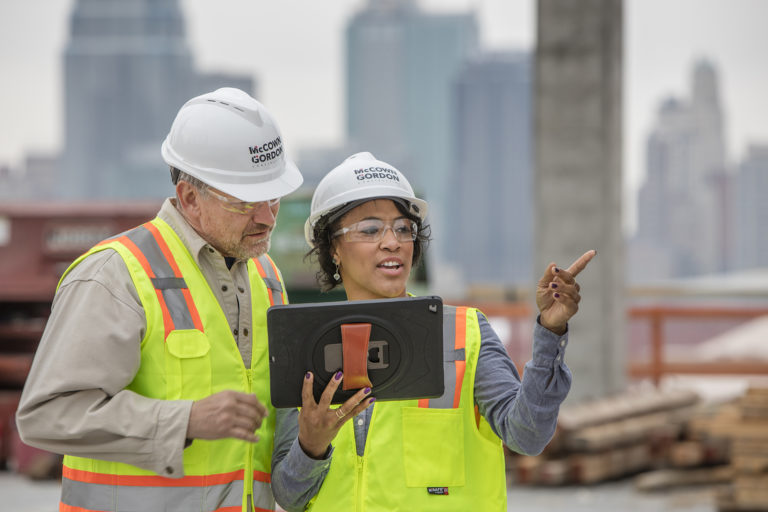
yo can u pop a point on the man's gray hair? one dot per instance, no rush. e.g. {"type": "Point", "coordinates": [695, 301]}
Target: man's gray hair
{"type": "Point", "coordinates": [178, 175]}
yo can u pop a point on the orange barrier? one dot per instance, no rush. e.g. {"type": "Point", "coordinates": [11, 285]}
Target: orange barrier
{"type": "Point", "coordinates": [659, 316]}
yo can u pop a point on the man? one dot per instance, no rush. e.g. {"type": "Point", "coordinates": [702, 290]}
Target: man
{"type": "Point", "coordinates": [152, 373]}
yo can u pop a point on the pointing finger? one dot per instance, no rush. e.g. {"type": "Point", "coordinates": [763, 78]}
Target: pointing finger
{"type": "Point", "coordinates": [581, 263]}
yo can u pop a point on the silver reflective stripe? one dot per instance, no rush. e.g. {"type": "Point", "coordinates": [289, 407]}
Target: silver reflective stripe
{"type": "Point", "coordinates": [169, 283]}
{"type": "Point", "coordinates": [165, 279]}
{"type": "Point", "coordinates": [129, 498]}
{"type": "Point", "coordinates": [271, 280]}
{"type": "Point", "coordinates": [450, 356]}
{"type": "Point", "coordinates": [262, 496]}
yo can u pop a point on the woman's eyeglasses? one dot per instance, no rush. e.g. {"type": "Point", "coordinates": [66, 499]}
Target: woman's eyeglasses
{"type": "Point", "coordinates": [372, 230]}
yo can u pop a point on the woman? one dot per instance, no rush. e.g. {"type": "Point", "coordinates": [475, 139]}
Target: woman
{"type": "Point", "coordinates": [367, 230]}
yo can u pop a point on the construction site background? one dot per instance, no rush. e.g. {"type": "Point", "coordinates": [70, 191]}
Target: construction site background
{"type": "Point", "coordinates": [690, 430]}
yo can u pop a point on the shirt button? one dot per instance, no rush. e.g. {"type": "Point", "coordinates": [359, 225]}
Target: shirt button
{"type": "Point", "coordinates": [241, 289]}
{"type": "Point", "coordinates": [360, 422]}
{"type": "Point", "coordinates": [224, 288]}
{"type": "Point", "coordinates": [245, 332]}
{"type": "Point", "coordinates": [562, 343]}
{"type": "Point", "coordinates": [169, 470]}
{"type": "Point", "coordinates": [235, 332]}
{"type": "Point", "coordinates": [210, 249]}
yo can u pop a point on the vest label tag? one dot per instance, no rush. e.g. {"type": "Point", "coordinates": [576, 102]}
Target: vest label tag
{"type": "Point", "coordinates": [442, 491]}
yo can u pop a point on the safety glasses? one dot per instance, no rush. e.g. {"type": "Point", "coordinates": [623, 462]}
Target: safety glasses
{"type": "Point", "coordinates": [242, 207]}
{"type": "Point", "coordinates": [373, 230]}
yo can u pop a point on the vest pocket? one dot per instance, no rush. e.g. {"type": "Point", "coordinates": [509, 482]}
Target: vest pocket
{"type": "Point", "coordinates": [433, 447]}
{"type": "Point", "coordinates": [187, 365]}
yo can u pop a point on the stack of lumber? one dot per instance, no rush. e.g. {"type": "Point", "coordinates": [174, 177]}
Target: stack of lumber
{"type": "Point", "coordinates": [747, 430]}
{"type": "Point", "coordinates": [609, 438]}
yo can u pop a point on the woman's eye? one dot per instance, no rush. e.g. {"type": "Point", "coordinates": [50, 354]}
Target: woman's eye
{"type": "Point", "coordinates": [369, 230]}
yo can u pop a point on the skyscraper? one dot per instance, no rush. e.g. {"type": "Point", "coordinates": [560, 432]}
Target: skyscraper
{"type": "Point", "coordinates": [127, 70]}
{"type": "Point", "coordinates": [750, 211]}
{"type": "Point", "coordinates": [401, 65]}
{"type": "Point", "coordinates": [491, 188]}
{"type": "Point", "coordinates": [682, 204]}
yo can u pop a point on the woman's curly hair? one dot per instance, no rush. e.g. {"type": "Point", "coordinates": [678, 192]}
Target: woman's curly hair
{"type": "Point", "coordinates": [323, 243]}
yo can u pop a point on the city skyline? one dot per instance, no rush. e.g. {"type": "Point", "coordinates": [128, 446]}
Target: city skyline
{"type": "Point", "coordinates": [662, 42]}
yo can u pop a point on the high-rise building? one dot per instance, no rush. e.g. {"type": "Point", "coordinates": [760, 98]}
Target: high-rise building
{"type": "Point", "coordinates": [682, 206]}
{"type": "Point", "coordinates": [401, 66]}
{"type": "Point", "coordinates": [127, 70]}
{"type": "Point", "coordinates": [750, 211]}
{"type": "Point", "coordinates": [491, 189]}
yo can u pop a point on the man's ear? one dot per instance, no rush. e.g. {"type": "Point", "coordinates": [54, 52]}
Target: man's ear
{"type": "Point", "coordinates": [189, 201]}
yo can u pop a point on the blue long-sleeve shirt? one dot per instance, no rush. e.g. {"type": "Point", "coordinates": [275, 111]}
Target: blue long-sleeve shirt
{"type": "Point", "coordinates": [523, 413]}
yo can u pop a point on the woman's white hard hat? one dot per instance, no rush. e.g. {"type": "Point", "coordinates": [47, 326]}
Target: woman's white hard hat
{"type": "Point", "coordinates": [230, 141]}
{"type": "Point", "coordinates": [360, 178]}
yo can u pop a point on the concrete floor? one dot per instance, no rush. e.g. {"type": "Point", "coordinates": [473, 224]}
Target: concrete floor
{"type": "Point", "coordinates": [19, 494]}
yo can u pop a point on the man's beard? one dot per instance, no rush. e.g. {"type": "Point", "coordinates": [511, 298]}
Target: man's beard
{"type": "Point", "coordinates": [242, 249]}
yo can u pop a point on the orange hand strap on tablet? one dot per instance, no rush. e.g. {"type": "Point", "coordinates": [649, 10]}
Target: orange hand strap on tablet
{"type": "Point", "coordinates": [354, 346]}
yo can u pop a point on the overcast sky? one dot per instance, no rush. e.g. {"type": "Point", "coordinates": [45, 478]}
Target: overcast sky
{"type": "Point", "coordinates": [295, 50]}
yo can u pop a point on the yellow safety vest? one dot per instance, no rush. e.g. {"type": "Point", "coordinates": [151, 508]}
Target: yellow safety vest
{"type": "Point", "coordinates": [425, 455]}
{"type": "Point", "coordinates": [187, 353]}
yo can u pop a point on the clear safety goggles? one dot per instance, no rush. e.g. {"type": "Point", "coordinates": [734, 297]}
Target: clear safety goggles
{"type": "Point", "coordinates": [373, 230]}
{"type": "Point", "coordinates": [242, 207]}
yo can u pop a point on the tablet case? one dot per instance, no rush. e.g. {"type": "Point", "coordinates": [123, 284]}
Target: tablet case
{"type": "Point", "coordinates": [404, 348]}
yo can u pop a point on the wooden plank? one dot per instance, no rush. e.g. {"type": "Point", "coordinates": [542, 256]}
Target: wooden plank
{"type": "Point", "coordinates": [623, 406]}
{"type": "Point", "coordinates": [669, 478]}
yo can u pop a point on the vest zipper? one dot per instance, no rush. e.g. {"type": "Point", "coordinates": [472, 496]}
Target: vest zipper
{"type": "Point", "coordinates": [248, 477]}
{"type": "Point", "coordinates": [360, 491]}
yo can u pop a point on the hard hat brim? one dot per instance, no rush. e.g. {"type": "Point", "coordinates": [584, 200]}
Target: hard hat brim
{"type": "Point", "coordinates": [287, 181]}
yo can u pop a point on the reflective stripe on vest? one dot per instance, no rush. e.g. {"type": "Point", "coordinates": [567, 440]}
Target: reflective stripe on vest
{"type": "Point", "coordinates": [217, 493]}
{"type": "Point", "coordinates": [268, 273]}
{"type": "Point", "coordinates": [454, 359]}
{"type": "Point", "coordinates": [179, 310]}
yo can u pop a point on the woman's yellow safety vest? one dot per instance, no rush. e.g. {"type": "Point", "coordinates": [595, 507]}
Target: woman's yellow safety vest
{"type": "Point", "coordinates": [425, 455]}
{"type": "Point", "coordinates": [187, 353]}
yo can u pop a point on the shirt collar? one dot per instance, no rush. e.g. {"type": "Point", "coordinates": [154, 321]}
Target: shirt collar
{"type": "Point", "coordinates": [189, 237]}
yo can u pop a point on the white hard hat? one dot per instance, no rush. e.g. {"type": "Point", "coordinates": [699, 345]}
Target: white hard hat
{"type": "Point", "coordinates": [360, 178]}
{"type": "Point", "coordinates": [229, 141]}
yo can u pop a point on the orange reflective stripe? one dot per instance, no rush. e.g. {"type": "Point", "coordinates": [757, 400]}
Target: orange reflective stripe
{"type": "Point", "coordinates": [424, 403]}
{"type": "Point", "coordinates": [461, 337]}
{"type": "Point", "coordinates": [263, 274]}
{"type": "Point", "coordinates": [158, 481]}
{"type": "Point", "coordinates": [128, 243]}
{"type": "Point", "coordinates": [274, 269]}
{"type": "Point", "coordinates": [63, 507]}
{"type": "Point", "coordinates": [176, 272]}
{"type": "Point", "coordinates": [261, 476]}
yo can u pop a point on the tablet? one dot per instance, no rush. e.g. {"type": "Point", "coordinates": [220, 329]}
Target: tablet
{"type": "Point", "coordinates": [397, 342]}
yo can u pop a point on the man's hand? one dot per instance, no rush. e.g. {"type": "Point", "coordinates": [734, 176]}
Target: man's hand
{"type": "Point", "coordinates": [226, 414]}
{"type": "Point", "coordinates": [557, 295]}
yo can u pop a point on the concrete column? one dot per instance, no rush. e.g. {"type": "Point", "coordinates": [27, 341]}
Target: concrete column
{"type": "Point", "coordinates": [578, 121]}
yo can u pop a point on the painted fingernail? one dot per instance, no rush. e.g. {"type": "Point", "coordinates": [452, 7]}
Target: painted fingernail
{"type": "Point", "coordinates": [557, 295]}
{"type": "Point", "coordinates": [372, 400]}
{"type": "Point", "coordinates": [307, 375]}
{"type": "Point", "coordinates": [554, 285]}
{"type": "Point", "coordinates": [367, 390]}
{"type": "Point", "coordinates": [557, 269]}
{"type": "Point", "coordinates": [337, 376]}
